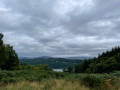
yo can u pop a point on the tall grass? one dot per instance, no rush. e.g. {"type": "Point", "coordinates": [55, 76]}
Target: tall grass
{"type": "Point", "coordinates": [53, 84]}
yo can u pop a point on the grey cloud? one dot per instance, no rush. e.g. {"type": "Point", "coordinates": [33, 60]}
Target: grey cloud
{"type": "Point", "coordinates": [60, 27]}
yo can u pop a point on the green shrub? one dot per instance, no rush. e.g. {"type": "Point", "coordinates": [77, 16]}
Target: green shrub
{"type": "Point", "coordinates": [2, 75]}
{"type": "Point", "coordinates": [9, 80]}
{"type": "Point", "coordinates": [91, 80]}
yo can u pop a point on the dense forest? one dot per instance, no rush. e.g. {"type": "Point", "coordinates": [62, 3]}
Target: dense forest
{"type": "Point", "coordinates": [108, 61]}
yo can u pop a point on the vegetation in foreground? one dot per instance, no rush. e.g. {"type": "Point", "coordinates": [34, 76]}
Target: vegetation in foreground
{"type": "Point", "coordinates": [54, 84]}
{"type": "Point", "coordinates": [52, 80]}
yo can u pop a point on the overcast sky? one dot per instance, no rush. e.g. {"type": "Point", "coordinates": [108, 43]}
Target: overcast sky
{"type": "Point", "coordinates": [61, 28]}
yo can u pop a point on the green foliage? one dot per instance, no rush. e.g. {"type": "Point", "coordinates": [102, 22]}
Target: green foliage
{"type": "Point", "coordinates": [35, 67]}
{"type": "Point", "coordinates": [98, 81]}
{"type": "Point", "coordinates": [106, 62]}
{"type": "Point", "coordinates": [42, 67]}
{"type": "Point", "coordinates": [70, 69]}
{"type": "Point", "coordinates": [29, 75]}
{"type": "Point", "coordinates": [8, 57]}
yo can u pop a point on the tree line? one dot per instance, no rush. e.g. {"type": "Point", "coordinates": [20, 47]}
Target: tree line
{"type": "Point", "coordinates": [9, 59]}
{"type": "Point", "coordinates": [106, 62]}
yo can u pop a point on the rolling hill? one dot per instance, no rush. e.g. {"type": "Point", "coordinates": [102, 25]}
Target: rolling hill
{"type": "Point", "coordinates": [52, 62]}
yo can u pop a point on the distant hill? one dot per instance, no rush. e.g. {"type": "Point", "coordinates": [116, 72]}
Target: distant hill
{"type": "Point", "coordinates": [24, 58]}
{"type": "Point", "coordinates": [81, 58]}
{"type": "Point", "coordinates": [52, 62]}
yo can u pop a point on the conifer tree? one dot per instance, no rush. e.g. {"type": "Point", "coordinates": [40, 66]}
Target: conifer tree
{"type": "Point", "coordinates": [8, 57]}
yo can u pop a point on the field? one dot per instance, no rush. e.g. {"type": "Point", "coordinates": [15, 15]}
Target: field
{"type": "Point", "coordinates": [50, 80]}
{"type": "Point", "coordinates": [55, 84]}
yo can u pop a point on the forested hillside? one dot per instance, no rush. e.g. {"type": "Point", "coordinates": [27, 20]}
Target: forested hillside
{"type": "Point", "coordinates": [106, 62]}
{"type": "Point", "coordinates": [52, 62]}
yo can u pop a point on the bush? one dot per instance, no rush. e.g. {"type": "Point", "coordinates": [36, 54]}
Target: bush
{"type": "Point", "coordinates": [9, 80]}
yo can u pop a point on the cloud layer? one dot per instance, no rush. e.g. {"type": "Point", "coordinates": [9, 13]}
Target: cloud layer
{"type": "Point", "coordinates": [62, 28]}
